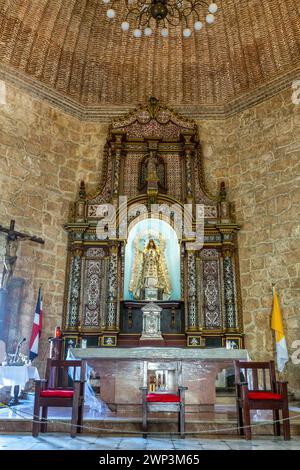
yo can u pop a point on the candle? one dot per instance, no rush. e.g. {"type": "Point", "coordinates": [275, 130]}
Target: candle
{"type": "Point", "coordinates": [57, 333]}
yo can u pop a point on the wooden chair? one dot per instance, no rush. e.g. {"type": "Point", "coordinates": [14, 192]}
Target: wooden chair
{"type": "Point", "coordinates": [62, 387]}
{"type": "Point", "coordinates": [259, 390]}
{"type": "Point", "coordinates": [164, 403]}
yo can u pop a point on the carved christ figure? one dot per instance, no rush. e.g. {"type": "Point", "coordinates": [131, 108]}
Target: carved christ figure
{"type": "Point", "coordinates": [150, 279]}
{"type": "Point", "coordinates": [10, 259]}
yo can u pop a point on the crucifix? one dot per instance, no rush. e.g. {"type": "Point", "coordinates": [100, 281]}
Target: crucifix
{"type": "Point", "coordinates": [10, 257]}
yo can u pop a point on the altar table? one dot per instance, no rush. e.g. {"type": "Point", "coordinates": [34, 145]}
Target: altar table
{"type": "Point", "coordinates": [123, 371]}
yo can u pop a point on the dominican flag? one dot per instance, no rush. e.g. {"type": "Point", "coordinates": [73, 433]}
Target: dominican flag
{"type": "Point", "coordinates": [37, 328]}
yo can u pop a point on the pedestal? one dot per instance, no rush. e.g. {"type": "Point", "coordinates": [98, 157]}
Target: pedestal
{"type": "Point", "coordinates": [151, 323]}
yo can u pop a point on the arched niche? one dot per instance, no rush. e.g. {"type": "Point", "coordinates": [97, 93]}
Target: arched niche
{"type": "Point", "coordinates": [166, 241]}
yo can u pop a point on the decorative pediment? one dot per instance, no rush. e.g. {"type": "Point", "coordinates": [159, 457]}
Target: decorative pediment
{"type": "Point", "coordinates": [153, 155]}
{"type": "Point", "coordinates": [152, 120]}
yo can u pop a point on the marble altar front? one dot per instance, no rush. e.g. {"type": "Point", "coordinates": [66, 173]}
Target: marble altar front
{"type": "Point", "coordinates": [123, 371]}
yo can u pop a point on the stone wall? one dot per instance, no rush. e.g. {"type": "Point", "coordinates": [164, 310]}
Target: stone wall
{"type": "Point", "coordinates": [257, 153]}
{"type": "Point", "coordinates": [44, 153]}
{"type": "Point", "coordinates": [264, 182]}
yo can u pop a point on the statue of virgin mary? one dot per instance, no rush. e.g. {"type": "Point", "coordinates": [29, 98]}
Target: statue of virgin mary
{"type": "Point", "coordinates": [150, 280]}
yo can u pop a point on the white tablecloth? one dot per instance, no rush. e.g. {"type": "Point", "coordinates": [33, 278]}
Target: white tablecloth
{"type": "Point", "coordinates": [17, 375]}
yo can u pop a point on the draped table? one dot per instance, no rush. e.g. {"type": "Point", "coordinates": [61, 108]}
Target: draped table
{"type": "Point", "coordinates": [17, 377]}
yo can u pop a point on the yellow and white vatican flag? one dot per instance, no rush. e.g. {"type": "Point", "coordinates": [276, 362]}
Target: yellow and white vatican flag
{"type": "Point", "coordinates": [277, 326]}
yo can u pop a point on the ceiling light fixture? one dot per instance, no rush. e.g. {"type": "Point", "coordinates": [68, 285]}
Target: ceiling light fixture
{"type": "Point", "coordinates": [146, 15]}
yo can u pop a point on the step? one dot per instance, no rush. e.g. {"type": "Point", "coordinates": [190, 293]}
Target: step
{"type": "Point", "coordinates": [133, 426]}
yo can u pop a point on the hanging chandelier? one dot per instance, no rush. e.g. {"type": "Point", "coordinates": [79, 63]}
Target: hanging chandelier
{"type": "Point", "coordinates": [146, 15]}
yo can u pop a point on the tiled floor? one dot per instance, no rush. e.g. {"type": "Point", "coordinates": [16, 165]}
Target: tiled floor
{"type": "Point", "coordinates": [93, 442]}
{"type": "Point", "coordinates": [59, 441]}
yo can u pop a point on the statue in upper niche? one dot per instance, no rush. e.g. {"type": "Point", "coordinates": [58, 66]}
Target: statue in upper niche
{"type": "Point", "coordinates": [152, 164]}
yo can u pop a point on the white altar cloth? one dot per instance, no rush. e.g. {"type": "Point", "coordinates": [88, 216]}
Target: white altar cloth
{"type": "Point", "coordinates": [10, 376]}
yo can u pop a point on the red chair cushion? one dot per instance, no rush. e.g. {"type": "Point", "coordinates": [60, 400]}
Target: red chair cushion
{"type": "Point", "coordinates": [163, 397]}
{"type": "Point", "coordinates": [57, 393]}
{"type": "Point", "coordinates": [264, 396]}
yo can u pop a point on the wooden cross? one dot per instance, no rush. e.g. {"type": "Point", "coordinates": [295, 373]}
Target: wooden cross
{"type": "Point", "coordinates": [12, 234]}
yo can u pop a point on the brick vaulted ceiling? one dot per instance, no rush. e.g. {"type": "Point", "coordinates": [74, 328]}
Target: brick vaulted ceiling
{"type": "Point", "coordinates": [71, 47]}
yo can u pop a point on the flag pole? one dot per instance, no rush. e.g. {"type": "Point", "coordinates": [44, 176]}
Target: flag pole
{"type": "Point", "coordinates": [277, 327]}
{"type": "Point", "coordinates": [36, 328]}
{"type": "Point", "coordinates": [273, 333]}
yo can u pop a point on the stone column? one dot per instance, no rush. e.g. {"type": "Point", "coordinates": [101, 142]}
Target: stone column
{"type": "Point", "coordinates": [229, 290]}
{"type": "Point", "coordinates": [112, 290]}
{"type": "Point", "coordinates": [192, 291]}
{"type": "Point", "coordinates": [74, 289]}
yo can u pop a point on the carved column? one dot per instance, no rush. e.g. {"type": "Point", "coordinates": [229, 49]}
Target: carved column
{"type": "Point", "coordinates": [74, 289]}
{"type": "Point", "coordinates": [182, 270]}
{"type": "Point", "coordinates": [122, 271]}
{"type": "Point", "coordinates": [188, 167]}
{"type": "Point", "coordinates": [192, 291]}
{"type": "Point", "coordinates": [224, 205]}
{"type": "Point", "coordinates": [112, 291]}
{"type": "Point", "coordinates": [152, 176]}
{"type": "Point", "coordinates": [229, 290]}
{"type": "Point", "coordinates": [189, 148]}
{"type": "Point", "coordinates": [117, 148]}
{"type": "Point", "coordinates": [80, 204]}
